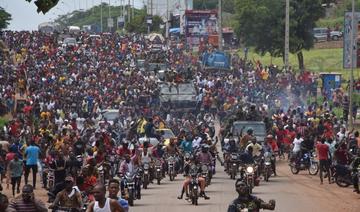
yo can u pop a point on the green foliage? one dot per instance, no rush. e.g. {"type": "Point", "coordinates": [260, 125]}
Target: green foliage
{"type": "Point", "coordinates": [3, 121]}
{"type": "Point", "coordinates": [205, 4]}
{"type": "Point", "coordinates": [139, 25]}
{"type": "Point", "coordinates": [44, 5]}
{"type": "Point", "coordinates": [228, 5]}
{"type": "Point", "coordinates": [331, 22]}
{"type": "Point", "coordinates": [93, 16]}
{"type": "Point", "coordinates": [4, 18]}
{"type": "Point", "coordinates": [261, 24]}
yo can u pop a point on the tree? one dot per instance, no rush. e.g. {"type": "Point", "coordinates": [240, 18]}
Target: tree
{"type": "Point", "coordinates": [227, 5]}
{"type": "Point", "coordinates": [261, 24]}
{"type": "Point", "coordinates": [138, 23]}
{"type": "Point", "coordinates": [44, 5]}
{"type": "Point", "coordinates": [4, 18]}
{"type": "Point", "coordinates": [205, 4]}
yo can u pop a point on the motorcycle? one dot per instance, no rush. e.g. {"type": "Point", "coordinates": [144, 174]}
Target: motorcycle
{"type": "Point", "coordinates": [158, 171]}
{"type": "Point", "coordinates": [342, 175]}
{"type": "Point", "coordinates": [206, 173]}
{"type": "Point", "coordinates": [308, 162]}
{"type": "Point", "coordinates": [234, 162]}
{"type": "Point", "coordinates": [50, 178]}
{"type": "Point", "coordinates": [249, 176]}
{"type": "Point", "coordinates": [132, 181]}
{"type": "Point", "coordinates": [193, 185]}
{"type": "Point", "coordinates": [267, 168]}
{"type": "Point", "coordinates": [171, 161]}
{"type": "Point", "coordinates": [145, 175]}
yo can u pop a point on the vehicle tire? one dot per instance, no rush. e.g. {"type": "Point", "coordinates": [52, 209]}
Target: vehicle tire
{"type": "Point", "coordinates": [195, 199]}
{"type": "Point", "coordinates": [266, 176]}
{"type": "Point", "coordinates": [294, 170]}
{"type": "Point", "coordinates": [146, 182]}
{"type": "Point", "coordinates": [130, 199]}
{"type": "Point", "coordinates": [171, 177]}
{"type": "Point", "coordinates": [314, 169]}
{"type": "Point", "coordinates": [341, 183]}
{"type": "Point", "coordinates": [232, 175]}
{"type": "Point", "coordinates": [335, 37]}
{"type": "Point", "coordinates": [158, 181]}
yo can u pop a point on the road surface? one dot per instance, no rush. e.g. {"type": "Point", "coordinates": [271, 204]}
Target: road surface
{"type": "Point", "coordinates": [295, 193]}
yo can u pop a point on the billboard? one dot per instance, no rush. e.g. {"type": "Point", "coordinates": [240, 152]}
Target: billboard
{"type": "Point", "coordinates": [201, 27]}
{"type": "Point", "coordinates": [348, 29]}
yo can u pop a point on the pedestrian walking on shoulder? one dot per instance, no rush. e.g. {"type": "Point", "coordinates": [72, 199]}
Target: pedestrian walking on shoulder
{"type": "Point", "coordinates": [15, 172]}
{"type": "Point", "coordinates": [32, 154]}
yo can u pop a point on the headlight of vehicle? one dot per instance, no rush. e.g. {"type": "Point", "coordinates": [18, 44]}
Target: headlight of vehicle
{"type": "Point", "coordinates": [250, 169]}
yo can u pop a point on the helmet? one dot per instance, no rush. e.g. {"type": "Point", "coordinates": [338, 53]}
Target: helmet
{"type": "Point", "coordinates": [250, 130]}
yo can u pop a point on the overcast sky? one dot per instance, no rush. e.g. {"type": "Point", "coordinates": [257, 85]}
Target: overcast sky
{"type": "Point", "coordinates": [25, 17]}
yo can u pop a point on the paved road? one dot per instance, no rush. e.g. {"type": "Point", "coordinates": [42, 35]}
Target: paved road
{"type": "Point", "coordinates": [292, 193]}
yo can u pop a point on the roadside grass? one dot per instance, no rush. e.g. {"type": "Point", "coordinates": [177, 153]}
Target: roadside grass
{"type": "Point", "coordinates": [316, 60]}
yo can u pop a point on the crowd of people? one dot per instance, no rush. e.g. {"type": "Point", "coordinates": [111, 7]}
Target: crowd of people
{"type": "Point", "coordinates": [66, 87]}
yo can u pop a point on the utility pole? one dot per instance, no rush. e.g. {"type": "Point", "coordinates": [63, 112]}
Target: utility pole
{"type": "Point", "coordinates": [220, 25]}
{"type": "Point", "coordinates": [151, 2]}
{"type": "Point", "coordinates": [109, 9]}
{"type": "Point", "coordinates": [101, 18]}
{"type": "Point", "coordinates": [351, 123]}
{"type": "Point", "coordinates": [109, 28]}
{"type": "Point", "coordinates": [287, 26]}
{"type": "Point", "coordinates": [167, 20]}
{"type": "Point", "coordinates": [132, 9]}
{"type": "Point", "coordinates": [128, 11]}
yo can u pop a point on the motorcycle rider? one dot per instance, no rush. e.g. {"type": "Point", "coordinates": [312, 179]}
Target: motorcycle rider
{"type": "Point", "coordinates": [69, 197]}
{"type": "Point", "coordinates": [147, 158]}
{"type": "Point", "coordinates": [355, 165]}
{"type": "Point", "coordinates": [186, 145]}
{"type": "Point", "coordinates": [59, 165]}
{"type": "Point", "coordinates": [201, 180]}
{"type": "Point", "coordinates": [229, 147]}
{"type": "Point", "coordinates": [158, 153]}
{"type": "Point", "coordinates": [255, 146]}
{"type": "Point", "coordinates": [247, 201]}
{"type": "Point", "coordinates": [246, 138]}
{"type": "Point", "coordinates": [124, 149]}
{"type": "Point", "coordinates": [204, 157]}
{"type": "Point", "coordinates": [246, 157]}
{"type": "Point", "coordinates": [128, 165]}
{"type": "Point", "coordinates": [267, 148]}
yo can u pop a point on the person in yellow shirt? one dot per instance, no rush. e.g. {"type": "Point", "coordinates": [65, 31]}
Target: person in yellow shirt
{"type": "Point", "coordinates": [59, 143]}
{"type": "Point", "coordinates": [45, 115]}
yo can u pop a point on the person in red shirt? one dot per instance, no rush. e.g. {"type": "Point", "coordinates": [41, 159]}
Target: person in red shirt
{"type": "Point", "coordinates": [323, 152]}
{"type": "Point", "coordinates": [123, 150]}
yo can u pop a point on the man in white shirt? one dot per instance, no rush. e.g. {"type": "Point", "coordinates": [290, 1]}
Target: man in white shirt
{"type": "Point", "coordinates": [341, 134]}
{"type": "Point", "coordinates": [255, 146]}
{"type": "Point", "coordinates": [297, 146]}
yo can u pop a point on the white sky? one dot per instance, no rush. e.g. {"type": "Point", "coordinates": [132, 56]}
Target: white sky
{"type": "Point", "coordinates": [25, 17]}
